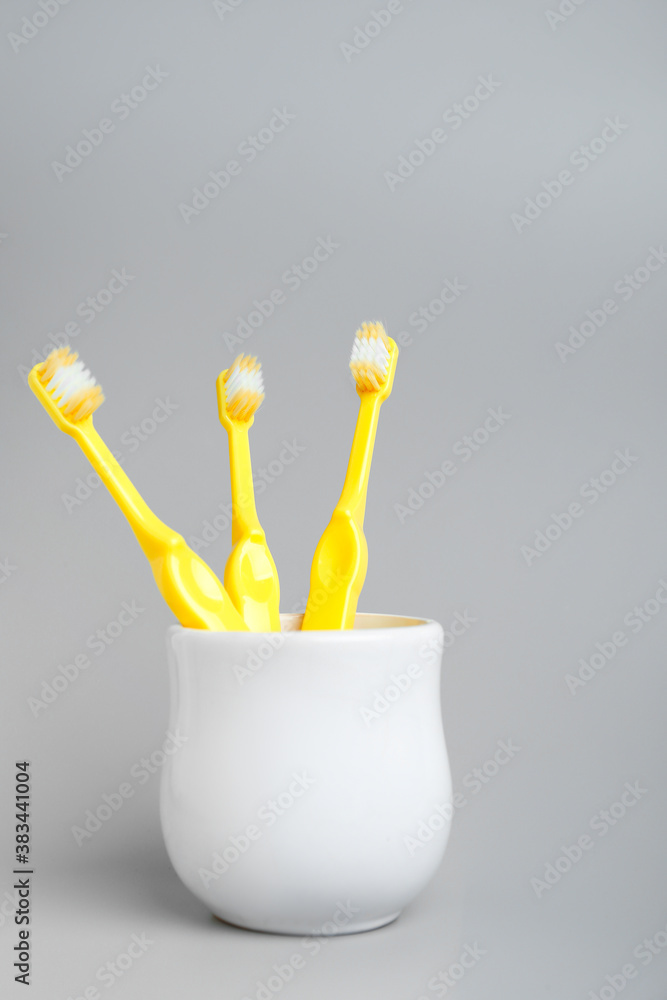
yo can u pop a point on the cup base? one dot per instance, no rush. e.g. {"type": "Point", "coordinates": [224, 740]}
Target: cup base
{"type": "Point", "coordinates": [352, 928]}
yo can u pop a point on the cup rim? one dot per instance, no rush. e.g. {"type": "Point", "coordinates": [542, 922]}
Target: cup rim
{"type": "Point", "coordinates": [388, 624]}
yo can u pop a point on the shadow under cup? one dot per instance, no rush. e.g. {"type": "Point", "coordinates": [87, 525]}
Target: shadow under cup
{"type": "Point", "coordinates": [311, 791]}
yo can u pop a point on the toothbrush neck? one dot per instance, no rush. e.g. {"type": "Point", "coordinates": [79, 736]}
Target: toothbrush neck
{"type": "Point", "coordinates": [244, 512]}
{"type": "Point", "coordinates": [353, 497]}
{"type": "Point", "coordinates": [152, 534]}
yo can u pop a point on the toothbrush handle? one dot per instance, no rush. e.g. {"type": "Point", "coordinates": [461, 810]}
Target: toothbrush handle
{"type": "Point", "coordinates": [355, 488]}
{"type": "Point", "coordinates": [188, 585]}
{"type": "Point", "coordinates": [251, 577]}
{"type": "Point", "coordinates": [152, 534]}
{"type": "Point", "coordinates": [337, 575]}
{"type": "Point", "coordinates": [340, 562]}
{"type": "Point", "coordinates": [244, 511]}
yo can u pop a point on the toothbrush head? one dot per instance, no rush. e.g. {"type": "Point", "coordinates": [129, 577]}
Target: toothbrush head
{"type": "Point", "coordinates": [65, 388]}
{"type": "Point", "coordinates": [240, 390]}
{"type": "Point", "coordinates": [373, 359]}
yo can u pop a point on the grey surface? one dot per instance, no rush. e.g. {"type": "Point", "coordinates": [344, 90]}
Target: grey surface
{"type": "Point", "coordinates": [162, 338]}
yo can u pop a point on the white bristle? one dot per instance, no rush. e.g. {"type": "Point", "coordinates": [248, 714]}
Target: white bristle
{"type": "Point", "coordinates": [370, 356]}
{"type": "Point", "coordinates": [244, 388]}
{"type": "Point", "coordinates": [68, 381]}
{"type": "Point", "coordinates": [70, 384]}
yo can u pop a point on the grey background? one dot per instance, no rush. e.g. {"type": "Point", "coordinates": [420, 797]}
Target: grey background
{"type": "Point", "coordinates": [162, 338]}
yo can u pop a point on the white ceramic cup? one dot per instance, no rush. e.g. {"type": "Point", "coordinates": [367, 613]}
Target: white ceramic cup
{"type": "Point", "coordinates": [311, 793]}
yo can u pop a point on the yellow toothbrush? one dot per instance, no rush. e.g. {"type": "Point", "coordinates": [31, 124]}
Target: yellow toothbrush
{"type": "Point", "coordinates": [341, 557]}
{"type": "Point", "coordinates": [251, 578]}
{"type": "Point", "coordinates": [70, 395]}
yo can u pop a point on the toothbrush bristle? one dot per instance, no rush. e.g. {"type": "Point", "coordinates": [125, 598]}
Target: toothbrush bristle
{"type": "Point", "coordinates": [244, 388]}
{"type": "Point", "coordinates": [70, 385]}
{"type": "Point", "coordinates": [369, 363]}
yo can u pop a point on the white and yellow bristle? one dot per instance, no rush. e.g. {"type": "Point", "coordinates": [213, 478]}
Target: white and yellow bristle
{"type": "Point", "coordinates": [70, 385]}
{"type": "Point", "coordinates": [244, 388]}
{"type": "Point", "coordinates": [369, 363]}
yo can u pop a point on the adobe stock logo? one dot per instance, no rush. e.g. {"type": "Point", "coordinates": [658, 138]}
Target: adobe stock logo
{"type": "Point", "coordinates": [626, 287]}
{"type": "Point", "coordinates": [465, 449]}
{"type": "Point", "coordinates": [422, 149]}
{"type": "Point", "coordinates": [581, 157]}
{"type": "Point", "coordinates": [140, 773]}
{"type": "Point", "coordinates": [292, 278]}
{"type": "Point", "coordinates": [247, 151]}
{"type": "Point", "coordinates": [422, 318]}
{"type": "Point", "coordinates": [591, 491]}
{"type": "Point", "coordinates": [117, 967]}
{"type": "Point", "coordinates": [30, 26]}
{"type": "Point", "coordinates": [268, 813]}
{"type": "Point", "coordinates": [122, 107]}
{"type": "Point", "coordinates": [6, 570]}
{"type": "Point", "coordinates": [446, 979]}
{"type": "Point", "coordinates": [644, 952]}
{"type": "Point", "coordinates": [603, 821]}
{"type": "Point", "coordinates": [635, 620]}
{"type": "Point", "coordinates": [88, 310]}
{"type": "Point", "coordinates": [364, 35]}
{"type": "Point", "coordinates": [98, 642]}
{"type": "Point", "coordinates": [566, 8]}
{"type": "Point", "coordinates": [221, 8]}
